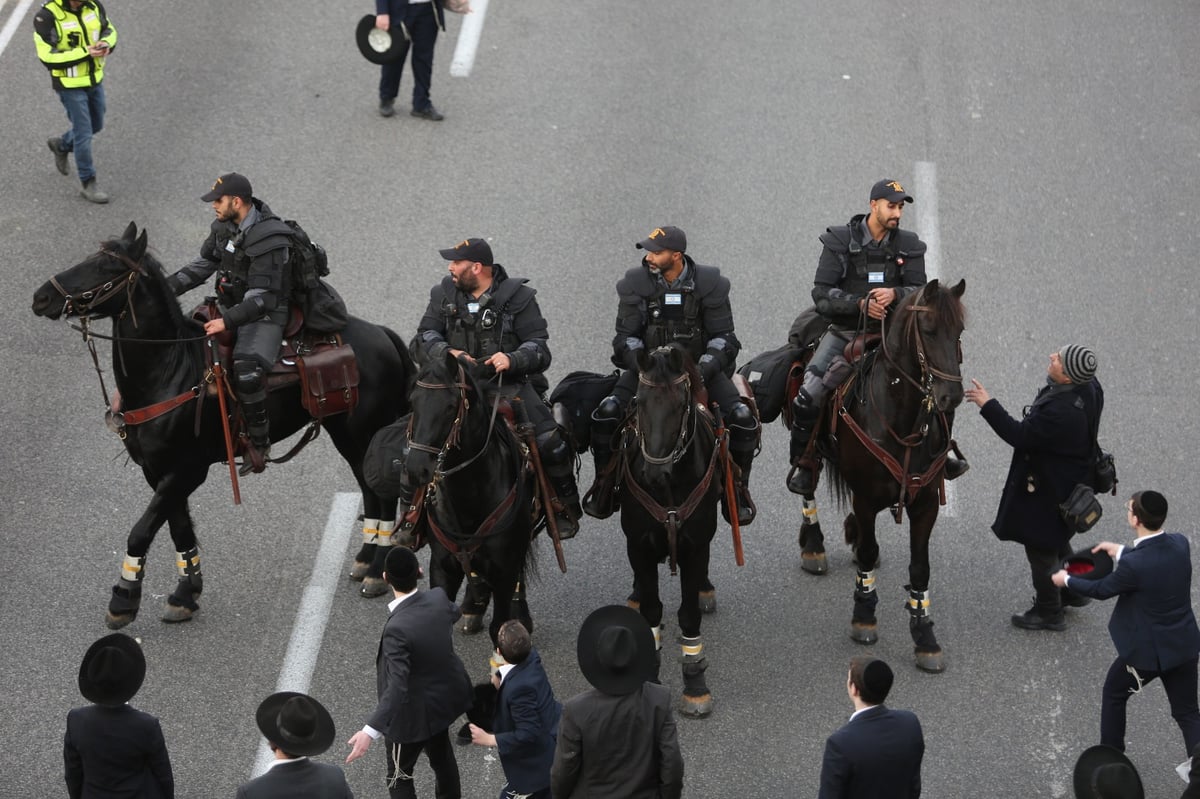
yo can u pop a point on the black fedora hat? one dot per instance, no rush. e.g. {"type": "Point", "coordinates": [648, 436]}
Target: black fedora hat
{"type": "Point", "coordinates": [112, 670]}
{"type": "Point", "coordinates": [379, 46]}
{"type": "Point", "coordinates": [616, 650]}
{"type": "Point", "coordinates": [1088, 565]}
{"type": "Point", "coordinates": [1102, 772]}
{"type": "Point", "coordinates": [296, 723]}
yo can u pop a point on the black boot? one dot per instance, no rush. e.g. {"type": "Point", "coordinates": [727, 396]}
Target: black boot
{"type": "Point", "coordinates": [252, 393]}
{"type": "Point", "coordinates": [601, 501]}
{"type": "Point", "coordinates": [743, 441]}
{"type": "Point", "coordinates": [955, 467]}
{"type": "Point", "coordinates": [803, 478]}
{"type": "Point", "coordinates": [563, 485]}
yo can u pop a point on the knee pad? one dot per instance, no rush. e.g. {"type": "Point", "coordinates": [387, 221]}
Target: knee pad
{"type": "Point", "coordinates": [249, 376]}
{"type": "Point", "coordinates": [553, 448]}
{"type": "Point", "coordinates": [609, 410]}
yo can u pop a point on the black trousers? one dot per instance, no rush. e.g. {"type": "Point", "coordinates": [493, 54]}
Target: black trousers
{"type": "Point", "coordinates": [421, 23]}
{"type": "Point", "coordinates": [1042, 564]}
{"type": "Point", "coordinates": [1180, 685]}
{"type": "Point", "coordinates": [441, 759]}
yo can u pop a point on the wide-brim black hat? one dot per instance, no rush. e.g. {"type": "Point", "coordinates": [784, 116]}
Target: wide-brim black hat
{"type": "Point", "coordinates": [1120, 782]}
{"type": "Point", "coordinates": [616, 650]}
{"type": "Point", "coordinates": [112, 670]}
{"type": "Point", "coordinates": [296, 723]}
{"type": "Point", "coordinates": [379, 46]}
{"type": "Point", "coordinates": [1088, 565]}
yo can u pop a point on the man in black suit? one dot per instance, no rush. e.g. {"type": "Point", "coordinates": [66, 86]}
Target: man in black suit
{"type": "Point", "coordinates": [618, 739]}
{"type": "Point", "coordinates": [422, 685]}
{"type": "Point", "coordinates": [110, 749]}
{"type": "Point", "coordinates": [296, 727]}
{"type": "Point", "coordinates": [1152, 624]}
{"type": "Point", "coordinates": [879, 751]}
{"type": "Point", "coordinates": [526, 722]}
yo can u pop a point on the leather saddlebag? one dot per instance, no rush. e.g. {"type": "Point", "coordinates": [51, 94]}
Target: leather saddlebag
{"type": "Point", "coordinates": [328, 381]}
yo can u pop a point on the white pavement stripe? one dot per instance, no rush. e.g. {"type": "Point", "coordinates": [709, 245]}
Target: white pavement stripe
{"type": "Point", "coordinates": [468, 40]}
{"type": "Point", "coordinates": [927, 227]}
{"type": "Point", "coordinates": [10, 27]}
{"type": "Point", "coordinates": [312, 614]}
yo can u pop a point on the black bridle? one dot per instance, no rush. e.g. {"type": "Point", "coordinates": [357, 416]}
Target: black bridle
{"type": "Point", "coordinates": [81, 304]}
{"type": "Point", "coordinates": [687, 424]}
{"type": "Point", "coordinates": [454, 436]}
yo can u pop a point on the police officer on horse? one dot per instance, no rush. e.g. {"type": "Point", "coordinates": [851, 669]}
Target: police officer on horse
{"type": "Point", "coordinates": [481, 314]}
{"type": "Point", "coordinates": [670, 299]}
{"type": "Point", "coordinates": [248, 246]}
{"type": "Point", "coordinates": [867, 266]}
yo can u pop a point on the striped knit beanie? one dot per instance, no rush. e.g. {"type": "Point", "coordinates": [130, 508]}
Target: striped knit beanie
{"type": "Point", "coordinates": [1078, 362]}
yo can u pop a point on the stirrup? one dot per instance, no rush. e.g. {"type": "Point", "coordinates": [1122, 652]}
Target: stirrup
{"type": "Point", "coordinates": [254, 459]}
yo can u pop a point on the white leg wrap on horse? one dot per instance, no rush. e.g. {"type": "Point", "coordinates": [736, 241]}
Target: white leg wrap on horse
{"type": "Point", "coordinates": [691, 647]}
{"type": "Point", "coordinates": [370, 531]}
{"type": "Point", "coordinates": [864, 581]}
{"type": "Point", "coordinates": [188, 563]}
{"type": "Point", "coordinates": [810, 511]}
{"type": "Point", "coordinates": [657, 636]}
{"type": "Point", "coordinates": [384, 539]}
{"type": "Point", "coordinates": [132, 569]}
{"type": "Point", "coordinates": [918, 602]}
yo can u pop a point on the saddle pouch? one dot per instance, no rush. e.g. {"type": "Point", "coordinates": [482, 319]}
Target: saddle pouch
{"type": "Point", "coordinates": [383, 463]}
{"type": "Point", "coordinates": [767, 373]}
{"type": "Point", "coordinates": [1081, 510]}
{"type": "Point", "coordinates": [575, 398]}
{"type": "Point", "coordinates": [328, 381]}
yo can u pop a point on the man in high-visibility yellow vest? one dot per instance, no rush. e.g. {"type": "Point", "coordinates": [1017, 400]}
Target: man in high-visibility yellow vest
{"type": "Point", "coordinates": [73, 39]}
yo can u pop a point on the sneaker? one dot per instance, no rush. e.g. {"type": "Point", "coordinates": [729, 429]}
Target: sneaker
{"type": "Point", "coordinates": [1032, 620]}
{"type": "Point", "coordinates": [387, 108]}
{"type": "Point", "coordinates": [430, 113]}
{"type": "Point", "coordinates": [92, 193]}
{"type": "Point", "coordinates": [60, 155]}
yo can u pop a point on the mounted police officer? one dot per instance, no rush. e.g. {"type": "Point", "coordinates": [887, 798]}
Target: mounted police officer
{"type": "Point", "coordinates": [672, 299]}
{"type": "Point", "coordinates": [480, 313]}
{"type": "Point", "coordinates": [866, 267]}
{"type": "Point", "coordinates": [248, 247]}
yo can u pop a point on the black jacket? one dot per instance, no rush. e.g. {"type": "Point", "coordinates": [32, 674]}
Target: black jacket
{"type": "Point", "coordinates": [116, 753]}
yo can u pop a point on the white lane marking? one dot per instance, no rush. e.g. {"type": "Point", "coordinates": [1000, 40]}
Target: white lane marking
{"type": "Point", "coordinates": [926, 205]}
{"type": "Point", "coordinates": [312, 614]}
{"type": "Point", "coordinates": [10, 27]}
{"type": "Point", "coordinates": [468, 40]}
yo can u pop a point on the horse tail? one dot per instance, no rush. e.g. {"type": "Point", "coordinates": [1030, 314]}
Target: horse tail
{"type": "Point", "coordinates": [410, 368]}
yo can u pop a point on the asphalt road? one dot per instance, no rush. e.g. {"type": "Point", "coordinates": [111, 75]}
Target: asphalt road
{"type": "Point", "coordinates": [1061, 142]}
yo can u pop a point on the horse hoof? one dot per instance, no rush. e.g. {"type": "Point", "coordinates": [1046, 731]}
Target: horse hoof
{"type": "Point", "coordinates": [708, 601]}
{"type": "Point", "coordinates": [174, 614]}
{"type": "Point", "coordinates": [115, 621]}
{"type": "Point", "coordinates": [470, 624]}
{"type": "Point", "coordinates": [359, 571]}
{"type": "Point", "coordinates": [373, 587]}
{"type": "Point", "coordinates": [931, 662]}
{"type": "Point", "coordinates": [814, 562]}
{"type": "Point", "coordinates": [696, 707]}
{"type": "Point", "coordinates": [864, 633]}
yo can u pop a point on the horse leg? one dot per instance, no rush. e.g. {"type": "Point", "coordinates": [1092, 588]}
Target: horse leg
{"type": "Point", "coordinates": [475, 604]}
{"type": "Point", "coordinates": [380, 538]}
{"type": "Point", "coordinates": [812, 542]}
{"type": "Point", "coordinates": [863, 624]}
{"type": "Point", "coordinates": [181, 604]}
{"type": "Point", "coordinates": [645, 577]}
{"type": "Point", "coordinates": [926, 650]}
{"type": "Point", "coordinates": [366, 553]}
{"type": "Point", "coordinates": [696, 701]}
{"type": "Point", "coordinates": [708, 596]}
{"type": "Point", "coordinates": [520, 606]}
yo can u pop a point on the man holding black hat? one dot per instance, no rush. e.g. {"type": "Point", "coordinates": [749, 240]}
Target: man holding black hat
{"type": "Point", "coordinates": [422, 685]}
{"type": "Point", "coordinates": [479, 314]}
{"type": "Point", "coordinates": [297, 727]}
{"type": "Point", "coordinates": [879, 751]}
{"type": "Point", "coordinates": [110, 749]}
{"type": "Point", "coordinates": [1152, 625]}
{"type": "Point", "coordinates": [670, 299]}
{"type": "Point", "coordinates": [618, 739]}
{"type": "Point", "coordinates": [1053, 449]}
{"type": "Point", "coordinates": [249, 246]}
{"type": "Point", "coordinates": [866, 267]}
{"type": "Point", "coordinates": [414, 22]}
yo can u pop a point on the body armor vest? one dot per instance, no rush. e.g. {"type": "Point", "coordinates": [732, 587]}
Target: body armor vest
{"type": "Point", "coordinates": [481, 328]}
{"type": "Point", "coordinates": [673, 317]}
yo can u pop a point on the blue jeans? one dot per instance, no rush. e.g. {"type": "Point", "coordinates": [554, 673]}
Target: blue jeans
{"type": "Point", "coordinates": [85, 109]}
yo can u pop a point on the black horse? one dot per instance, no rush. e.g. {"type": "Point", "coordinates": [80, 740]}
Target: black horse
{"type": "Point", "coordinates": [669, 490]}
{"type": "Point", "coordinates": [479, 492]}
{"type": "Point", "coordinates": [158, 356]}
{"type": "Point", "coordinates": [886, 443]}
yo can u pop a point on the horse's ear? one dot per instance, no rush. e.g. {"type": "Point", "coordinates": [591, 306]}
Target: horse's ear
{"type": "Point", "coordinates": [930, 290]}
{"type": "Point", "coordinates": [643, 359]}
{"type": "Point", "coordinates": [958, 290]}
{"type": "Point", "coordinates": [130, 232]}
{"type": "Point", "coordinates": [675, 359]}
{"type": "Point", "coordinates": [139, 248]}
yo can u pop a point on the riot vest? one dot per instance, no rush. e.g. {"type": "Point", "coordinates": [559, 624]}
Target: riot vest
{"type": "Point", "coordinates": [673, 317]}
{"type": "Point", "coordinates": [237, 250]}
{"type": "Point", "coordinates": [482, 327]}
{"type": "Point", "coordinates": [868, 267]}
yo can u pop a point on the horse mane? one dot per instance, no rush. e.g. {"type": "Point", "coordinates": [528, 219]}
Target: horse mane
{"type": "Point", "coordinates": [156, 280]}
{"type": "Point", "coordinates": [948, 310]}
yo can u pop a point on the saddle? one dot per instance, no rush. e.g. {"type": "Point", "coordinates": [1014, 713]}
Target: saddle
{"type": "Point", "coordinates": [322, 363]}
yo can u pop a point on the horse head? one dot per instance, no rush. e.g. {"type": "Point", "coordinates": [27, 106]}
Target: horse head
{"type": "Point", "coordinates": [666, 410]}
{"type": "Point", "coordinates": [441, 399]}
{"type": "Point", "coordinates": [100, 285]}
{"type": "Point", "coordinates": [929, 330]}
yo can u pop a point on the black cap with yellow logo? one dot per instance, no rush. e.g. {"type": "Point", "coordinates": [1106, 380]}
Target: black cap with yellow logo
{"type": "Point", "coordinates": [664, 238]}
{"type": "Point", "coordinates": [890, 190]}
{"type": "Point", "coordinates": [474, 250]}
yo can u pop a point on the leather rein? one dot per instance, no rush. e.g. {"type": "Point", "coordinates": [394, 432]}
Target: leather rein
{"type": "Point", "coordinates": [673, 516]}
{"type": "Point", "coordinates": [910, 484]}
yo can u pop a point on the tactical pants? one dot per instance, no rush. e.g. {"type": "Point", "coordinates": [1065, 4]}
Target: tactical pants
{"type": "Point", "coordinates": [258, 341]}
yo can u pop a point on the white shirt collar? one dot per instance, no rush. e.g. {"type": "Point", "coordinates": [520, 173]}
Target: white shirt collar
{"type": "Point", "coordinates": [504, 670]}
{"type": "Point", "coordinates": [1138, 541]}
{"type": "Point", "coordinates": [395, 603]}
{"type": "Point", "coordinates": [275, 763]}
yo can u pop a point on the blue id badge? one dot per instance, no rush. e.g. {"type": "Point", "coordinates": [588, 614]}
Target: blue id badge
{"type": "Point", "coordinates": [229, 246]}
{"type": "Point", "coordinates": [875, 277]}
{"type": "Point", "coordinates": [472, 307]}
{"type": "Point", "coordinates": [673, 299]}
